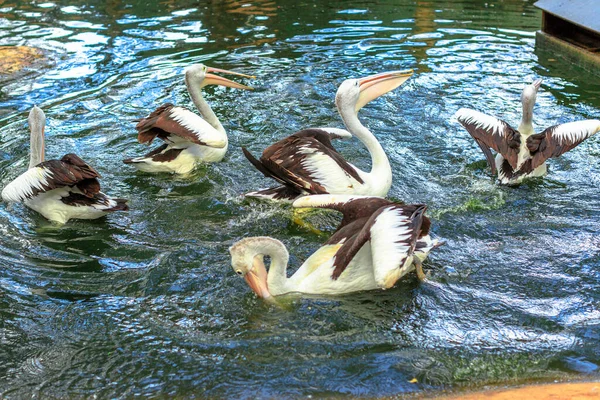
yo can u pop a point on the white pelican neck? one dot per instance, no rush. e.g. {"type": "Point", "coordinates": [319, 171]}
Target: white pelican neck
{"type": "Point", "coordinates": [528, 102]}
{"type": "Point", "coordinates": [381, 170]}
{"type": "Point", "coordinates": [195, 90]}
{"type": "Point", "coordinates": [277, 276]}
{"type": "Point", "coordinates": [37, 123]}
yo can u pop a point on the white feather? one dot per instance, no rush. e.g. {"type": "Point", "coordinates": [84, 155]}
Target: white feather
{"type": "Point", "coordinates": [337, 133]}
{"type": "Point", "coordinates": [481, 121]}
{"type": "Point", "coordinates": [319, 200]}
{"type": "Point", "coordinates": [574, 132]}
{"type": "Point", "coordinates": [390, 252]}
{"type": "Point", "coordinates": [24, 185]}
{"type": "Point", "coordinates": [204, 131]}
{"type": "Point", "coordinates": [185, 162]}
{"type": "Point", "coordinates": [327, 172]}
{"type": "Point", "coordinates": [49, 204]}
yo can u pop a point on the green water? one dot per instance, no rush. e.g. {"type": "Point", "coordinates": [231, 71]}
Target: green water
{"type": "Point", "coordinates": [146, 304]}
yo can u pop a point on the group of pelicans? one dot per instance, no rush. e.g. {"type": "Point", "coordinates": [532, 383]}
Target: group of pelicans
{"type": "Point", "coordinates": [378, 240]}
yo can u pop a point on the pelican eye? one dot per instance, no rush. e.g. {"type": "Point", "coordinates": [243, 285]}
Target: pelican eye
{"type": "Point", "coordinates": [239, 272]}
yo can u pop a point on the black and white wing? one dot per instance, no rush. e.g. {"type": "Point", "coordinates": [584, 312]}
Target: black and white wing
{"type": "Point", "coordinates": [178, 124]}
{"type": "Point", "coordinates": [491, 132]}
{"type": "Point", "coordinates": [356, 210]}
{"type": "Point", "coordinates": [392, 230]}
{"type": "Point", "coordinates": [559, 139]}
{"type": "Point", "coordinates": [306, 162]}
{"type": "Point", "coordinates": [53, 174]}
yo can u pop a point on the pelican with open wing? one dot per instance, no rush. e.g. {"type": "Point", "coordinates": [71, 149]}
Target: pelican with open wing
{"type": "Point", "coordinates": [522, 153]}
{"type": "Point", "coordinates": [377, 243]}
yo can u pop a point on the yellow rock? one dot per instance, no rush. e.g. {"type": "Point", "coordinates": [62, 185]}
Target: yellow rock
{"type": "Point", "coordinates": [15, 58]}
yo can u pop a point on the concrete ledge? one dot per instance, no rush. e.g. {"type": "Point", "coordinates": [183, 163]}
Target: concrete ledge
{"type": "Point", "coordinates": [563, 391]}
{"type": "Point", "coordinates": [568, 51]}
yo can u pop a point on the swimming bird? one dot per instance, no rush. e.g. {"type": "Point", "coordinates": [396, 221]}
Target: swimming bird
{"type": "Point", "coordinates": [59, 189]}
{"type": "Point", "coordinates": [189, 139]}
{"type": "Point", "coordinates": [307, 163]}
{"type": "Point", "coordinates": [522, 153]}
{"type": "Point", "coordinates": [377, 242]}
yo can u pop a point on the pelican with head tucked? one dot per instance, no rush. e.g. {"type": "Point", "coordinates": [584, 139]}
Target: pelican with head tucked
{"type": "Point", "coordinates": [59, 189]}
{"type": "Point", "coordinates": [522, 153]}
{"type": "Point", "coordinates": [188, 138]}
{"type": "Point", "coordinates": [307, 163]}
{"type": "Point", "coordinates": [377, 243]}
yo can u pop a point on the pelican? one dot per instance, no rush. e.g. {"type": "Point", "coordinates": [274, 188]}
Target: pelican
{"type": "Point", "coordinates": [307, 163]}
{"type": "Point", "coordinates": [189, 139]}
{"type": "Point", "coordinates": [59, 189]}
{"type": "Point", "coordinates": [377, 243]}
{"type": "Point", "coordinates": [522, 153]}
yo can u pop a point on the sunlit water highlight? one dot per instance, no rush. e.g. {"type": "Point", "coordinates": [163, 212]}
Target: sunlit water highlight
{"type": "Point", "coordinates": [145, 303]}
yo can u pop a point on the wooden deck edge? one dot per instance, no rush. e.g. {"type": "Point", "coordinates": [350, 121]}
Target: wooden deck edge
{"type": "Point", "coordinates": [568, 51]}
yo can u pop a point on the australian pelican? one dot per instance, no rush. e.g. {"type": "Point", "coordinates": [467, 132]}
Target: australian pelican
{"type": "Point", "coordinates": [59, 189]}
{"type": "Point", "coordinates": [189, 139]}
{"type": "Point", "coordinates": [522, 153]}
{"type": "Point", "coordinates": [307, 163]}
{"type": "Point", "coordinates": [377, 243]}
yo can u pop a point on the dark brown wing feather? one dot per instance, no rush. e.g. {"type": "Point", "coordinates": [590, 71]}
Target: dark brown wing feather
{"type": "Point", "coordinates": [282, 161]}
{"type": "Point", "coordinates": [354, 243]}
{"type": "Point", "coordinates": [559, 139]}
{"type": "Point", "coordinates": [490, 132]}
{"type": "Point", "coordinates": [76, 199]}
{"type": "Point", "coordinates": [161, 123]}
{"type": "Point", "coordinates": [70, 171]}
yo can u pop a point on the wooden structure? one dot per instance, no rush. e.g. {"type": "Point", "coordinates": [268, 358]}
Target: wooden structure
{"type": "Point", "coordinates": [571, 30]}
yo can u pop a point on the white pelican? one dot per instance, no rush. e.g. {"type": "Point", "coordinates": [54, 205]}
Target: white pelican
{"type": "Point", "coordinates": [377, 243]}
{"type": "Point", "coordinates": [59, 189]}
{"type": "Point", "coordinates": [189, 138]}
{"type": "Point", "coordinates": [307, 163]}
{"type": "Point", "coordinates": [522, 153]}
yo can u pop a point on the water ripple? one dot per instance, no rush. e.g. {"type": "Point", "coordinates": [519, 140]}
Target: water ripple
{"type": "Point", "coordinates": [145, 303]}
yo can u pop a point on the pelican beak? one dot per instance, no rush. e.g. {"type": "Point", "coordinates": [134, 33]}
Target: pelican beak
{"type": "Point", "coordinates": [371, 87]}
{"type": "Point", "coordinates": [256, 278]}
{"type": "Point", "coordinates": [211, 79]}
{"type": "Point", "coordinates": [536, 84]}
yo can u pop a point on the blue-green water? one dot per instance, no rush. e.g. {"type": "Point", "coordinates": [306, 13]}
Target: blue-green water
{"type": "Point", "coordinates": [146, 304]}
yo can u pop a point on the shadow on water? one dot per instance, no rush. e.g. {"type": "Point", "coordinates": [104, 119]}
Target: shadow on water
{"type": "Point", "coordinates": [145, 303]}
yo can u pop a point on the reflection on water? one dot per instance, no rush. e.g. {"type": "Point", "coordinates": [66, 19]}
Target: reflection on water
{"type": "Point", "coordinates": [145, 303]}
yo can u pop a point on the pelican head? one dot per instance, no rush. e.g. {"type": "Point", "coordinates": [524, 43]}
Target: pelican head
{"type": "Point", "coordinates": [528, 97]}
{"type": "Point", "coordinates": [200, 74]}
{"type": "Point", "coordinates": [530, 93]}
{"type": "Point", "coordinates": [356, 93]}
{"type": "Point", "coordinates": [37, 124]}
{"type": "Point", "coordinates": [247, 260]}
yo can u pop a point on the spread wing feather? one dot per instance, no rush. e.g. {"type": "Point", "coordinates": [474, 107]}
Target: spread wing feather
{"type": "Point", "coordinates": [392, 232]}
{"type": "Point", "coordinates": [491, 132]}
{"type": "Point", "coordinates": [392, 229]}
{"type": "Point", "coordinates": [558, 139]}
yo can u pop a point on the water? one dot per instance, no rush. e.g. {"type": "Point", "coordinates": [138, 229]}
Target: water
{"type": "Point", "coordinates": [145, 303]}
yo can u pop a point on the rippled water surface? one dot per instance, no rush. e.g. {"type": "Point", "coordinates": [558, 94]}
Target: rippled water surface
{"type": "Point", "coordinates": [145, 303]}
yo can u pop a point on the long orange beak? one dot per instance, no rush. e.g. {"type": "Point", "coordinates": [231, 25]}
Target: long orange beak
{"type": "Point", "coordinates": [256, 278]}
{"type": "Point", "coordinates": [211, 79]}
{"type": "Point", "coordinates": [371, 87]}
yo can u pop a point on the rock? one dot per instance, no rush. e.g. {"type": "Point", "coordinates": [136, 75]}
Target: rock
{"type": "Point", "coordinates": [15, 58]}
